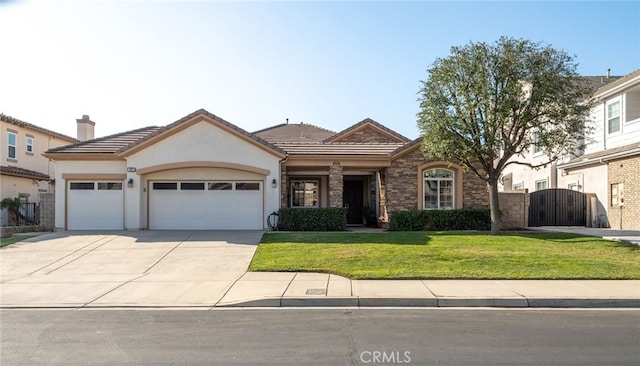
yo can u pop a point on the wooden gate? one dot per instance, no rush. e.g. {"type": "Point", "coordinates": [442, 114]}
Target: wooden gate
{"type": "Point", "coordinates": [557, 207]}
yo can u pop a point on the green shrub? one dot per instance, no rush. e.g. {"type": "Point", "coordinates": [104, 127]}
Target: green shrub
{"type": "Point", "coordinates": [312, 219]}
{"type": "Point", "coordinates": [441, 220]}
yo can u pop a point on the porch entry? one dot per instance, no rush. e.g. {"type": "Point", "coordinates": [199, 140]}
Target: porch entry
{"type": "Point", "coordinates": [353, 200]}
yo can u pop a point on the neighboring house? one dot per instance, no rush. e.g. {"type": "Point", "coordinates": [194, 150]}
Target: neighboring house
{"type": "Point", "coordinates": [202, 172]}
{"type": "Point", "coordinates": [24, 172]}
{"type": "Point", "coordinates": [608, 165]}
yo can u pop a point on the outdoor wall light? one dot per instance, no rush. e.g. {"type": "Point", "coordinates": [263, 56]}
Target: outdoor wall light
{"type": "Point", "coordinates": [130, 183]}
{"type": "Point", "coordinates": [274, 184]}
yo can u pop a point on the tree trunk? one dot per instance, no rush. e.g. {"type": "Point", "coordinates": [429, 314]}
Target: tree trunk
{"type": "Point", "coordinates": [494, 206]}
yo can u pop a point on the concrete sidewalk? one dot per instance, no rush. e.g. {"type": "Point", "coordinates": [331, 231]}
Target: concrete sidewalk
{"type": "Point", "coordinates": [626, 236]}
{"type": "Point", "coordinates": [208, 269]}
{"type": "Point", "coordinates": [277, 289]}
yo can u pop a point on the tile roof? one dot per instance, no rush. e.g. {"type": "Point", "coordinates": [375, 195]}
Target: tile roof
{"type": "Point", "coordinates": [617, 80]}
{"type": "Point", "coordinates": [111, 144]}
{"type": "Point", "coordinates": [21, 172]}
{"type": "Point", "coordinates": [295, 132]}
{"type": "Point", "coordinates": [367, 121]}
{"type": "Point", "coordinates": [339, 148]}
{"type": "Point", "coordinates": [597, 82]}
{"type": "Point", "coordinates": [20, 123]}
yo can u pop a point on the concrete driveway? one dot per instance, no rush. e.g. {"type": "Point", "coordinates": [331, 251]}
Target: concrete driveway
{"type": "Point", "coordinates": [126, 268]}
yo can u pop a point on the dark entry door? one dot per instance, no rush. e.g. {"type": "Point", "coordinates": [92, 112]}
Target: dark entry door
{"type": "Point", "coordinates": [557, 207]}
{"type": "Point", "coordinates": [353, 199]}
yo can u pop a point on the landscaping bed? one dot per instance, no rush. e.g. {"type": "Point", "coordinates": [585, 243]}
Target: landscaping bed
{"type": "Point", "coordinates": [448, 255]}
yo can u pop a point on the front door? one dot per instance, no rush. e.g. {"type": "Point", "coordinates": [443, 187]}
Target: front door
{"type": "Point", "coordinates": [353, 199]}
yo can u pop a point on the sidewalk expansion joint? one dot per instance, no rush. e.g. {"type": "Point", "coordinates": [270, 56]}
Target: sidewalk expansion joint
{"type": "Point", "coordinates": [113, 289]}
{"type": "Point", "coordinates": [72, 253]}
{"type": "Point", "coordinates": [167, 253]}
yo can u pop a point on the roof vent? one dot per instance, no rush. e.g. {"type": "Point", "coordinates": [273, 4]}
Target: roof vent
{"type": "Point", "coordinates": [608, 73]}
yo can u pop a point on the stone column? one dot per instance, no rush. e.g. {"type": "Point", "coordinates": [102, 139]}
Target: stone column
{"type": "Point", "coordinates": [284, 192]}
{"type": "Point", "coordinates": [336, 185]}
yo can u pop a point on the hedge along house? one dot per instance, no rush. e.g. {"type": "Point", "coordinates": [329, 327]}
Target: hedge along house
{"type": "Point", "coordinates": [202, 172]}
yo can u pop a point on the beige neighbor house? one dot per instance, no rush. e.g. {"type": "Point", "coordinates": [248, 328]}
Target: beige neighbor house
{"type": "Point", "coordinates": [202, 172]}
{"type": "Point", "coordinates": [24, 172]}
{"type": "Point", "coordinates": [609, 165]}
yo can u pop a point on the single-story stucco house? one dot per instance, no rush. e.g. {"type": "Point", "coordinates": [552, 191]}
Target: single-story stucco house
{"type": "Point", "coordinates": [202, 172]}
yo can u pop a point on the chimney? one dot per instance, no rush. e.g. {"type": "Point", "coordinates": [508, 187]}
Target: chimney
{"type": "Point", "coordinates": [85, 128]}
{"type": "Point", "coordinates": [608, 73]}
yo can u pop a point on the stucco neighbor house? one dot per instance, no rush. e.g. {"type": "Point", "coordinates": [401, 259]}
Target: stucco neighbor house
{"type": "Point", "coordinates": [24, 172]}
{"type": "Point", "coordinates": [202, 172]}
{"type": "Point", "coordinates": [609, 165]}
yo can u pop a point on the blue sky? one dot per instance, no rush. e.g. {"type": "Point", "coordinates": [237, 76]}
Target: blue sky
{"type": "Point", "coordinates": [130, 64]}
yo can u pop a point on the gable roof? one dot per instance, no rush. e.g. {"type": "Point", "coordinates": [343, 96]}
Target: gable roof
{"type": "Point", "coordinates": [294, 133]}
{"type": "Point", "coordinates": [193, 118]}
{"type": "Point", "coordinates": [22, 173]}
{"type": "Point", "coordinates": [126, 143]}
{"type": "Point", "coordinates": [368, 122]}
{"type": "Point", "coordinates": [20, 123]}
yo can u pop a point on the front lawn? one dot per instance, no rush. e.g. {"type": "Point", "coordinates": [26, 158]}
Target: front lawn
{"type": "Point", "coordinates": [405, 255]}
{"type": "Point", "coordinates": [11, 240]}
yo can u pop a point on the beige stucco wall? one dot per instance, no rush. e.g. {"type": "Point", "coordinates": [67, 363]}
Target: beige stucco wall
{"type": "Point", "coordinates": [32, 161]}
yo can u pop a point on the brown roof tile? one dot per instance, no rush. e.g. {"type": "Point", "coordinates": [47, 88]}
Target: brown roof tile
{"type": "Point", "coordinates": [20, 123]}
{"type": "Point", "coordinates": [339, 149]}
{"type": "Point", "coordinates": [295, 132]}
{"type": "Point", "coordinates": [105, 145]}
{"type": "Point", "coordinates": [616, 80]}
{"type": "Point", "coordinates": [21, 172]}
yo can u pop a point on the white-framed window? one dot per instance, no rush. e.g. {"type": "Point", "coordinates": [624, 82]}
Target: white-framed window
{"type": "Point", "coordinates": [304, 193]}
{"type": "Point", "coordinates": [438, 189]}
{"type": "Point", "coordinates": [541, 184]}
{"type": "Point", "coordinates": [518, 186]}
{"type": "Point", "coordinates": [11, 145]}
{"type": "Point", "coordinates": [617, 190]}
{"type": "Point", "coordinates": [537, 148]}
{"type": "Point", "coordinates": [29, 144]}
{"type": "Point", "coordinates": [613, 117]}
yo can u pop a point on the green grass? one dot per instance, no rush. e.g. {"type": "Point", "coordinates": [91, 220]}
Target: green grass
{"type": "Point", "coordinates": [411, 255]}
{"type": "Point", "coordinates": [10, 240]}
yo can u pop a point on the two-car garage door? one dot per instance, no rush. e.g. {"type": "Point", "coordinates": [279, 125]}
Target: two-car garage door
{"type": "Point", "coordinates": [205, 205]}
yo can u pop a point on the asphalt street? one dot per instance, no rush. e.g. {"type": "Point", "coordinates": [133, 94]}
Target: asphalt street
{"type": "Point", "coordinates": [346, 336]}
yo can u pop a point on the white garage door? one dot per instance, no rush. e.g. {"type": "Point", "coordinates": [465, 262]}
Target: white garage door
{"type": "Point", "coordinates": [95, 206]}
{"type": "Point", "coordinates": [212, 205]}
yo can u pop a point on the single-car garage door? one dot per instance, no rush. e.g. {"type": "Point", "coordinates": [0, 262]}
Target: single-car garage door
{"type": "Point", "coordinates": [95, 206]}
{"type": "Point", "coordinates": [206, 205]}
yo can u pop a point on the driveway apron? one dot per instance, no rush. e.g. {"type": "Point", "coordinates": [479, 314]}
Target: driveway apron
{"type": "Point", "coordinates": [124, 268]}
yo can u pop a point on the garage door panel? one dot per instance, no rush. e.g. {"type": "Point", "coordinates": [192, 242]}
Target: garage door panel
{"type": "Point", "coordinates": [95, 209]}
{"type": "Point", "coordinates": [218, 206]}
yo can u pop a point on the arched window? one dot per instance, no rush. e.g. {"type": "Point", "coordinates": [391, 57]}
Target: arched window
{"type": "Point", "coordinates": [439, 189]}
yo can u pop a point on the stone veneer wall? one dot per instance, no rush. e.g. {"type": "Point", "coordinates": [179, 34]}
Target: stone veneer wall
{"type": "Point", "coordinates": [368, 135]}
{"type": "Point", "coordinates": [625, 171]}
{"type": "Point", "coordinates": [401, 180]}
{"type": "Point", "coordinates": [47, 211]}
{"type": "Point", "coordinates": [514, 206]}
{"type": "Point", "coordinates": [336, 185]}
